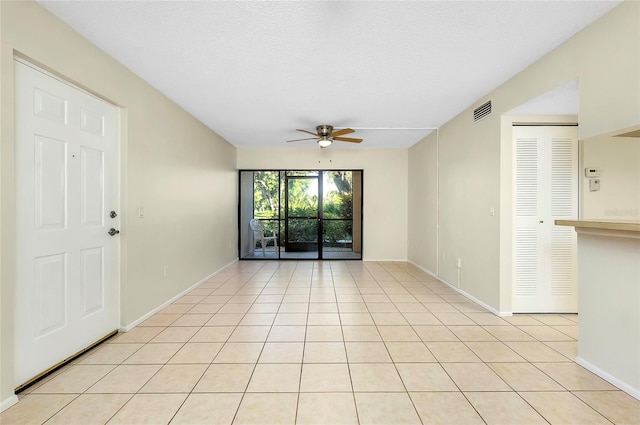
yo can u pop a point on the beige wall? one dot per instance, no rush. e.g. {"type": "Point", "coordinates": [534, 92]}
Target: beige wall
{"type": "Point", "coordinates": [475, 158]}
{"type": "Point", "coordinates": [618, 158]}
{"type": "Point", "coordinates": [423, 204]}
{"type": "Point", "coordinates": [180, 171]}
{"type": "Point", "coordinates": [385, 188]}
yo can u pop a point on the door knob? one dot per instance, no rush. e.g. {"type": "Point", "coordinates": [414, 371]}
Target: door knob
{"type": "Point", "coordinates": [113, 231]}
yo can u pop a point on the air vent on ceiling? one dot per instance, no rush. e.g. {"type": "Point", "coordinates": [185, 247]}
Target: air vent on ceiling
{"type": "Point", "coordinates": [482, 111]}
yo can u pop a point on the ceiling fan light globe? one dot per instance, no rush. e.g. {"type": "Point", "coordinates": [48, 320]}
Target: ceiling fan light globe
{"type": "Point", "coordinates": [324, 142]}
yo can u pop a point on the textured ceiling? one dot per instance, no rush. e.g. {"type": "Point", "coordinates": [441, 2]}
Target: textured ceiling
{"type": "Point", "coordinates": [255, 71]}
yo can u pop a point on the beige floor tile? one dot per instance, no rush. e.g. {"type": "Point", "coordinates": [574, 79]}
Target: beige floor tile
{"type": "Point", "coordinates": [445, 408]}
{"type": "Point", "coordinates": [225, 319]}
{"type": "Point", "coordinates": [176, 378]}
{"type": "Point", "coordinates": [554, 320]}
{"type": "Point", "coordinates": [425, 377]}
{"type": "Point", "coordinates": [413, 352]}
{"type": "Point", "coordinates": [381, 307]}
{"type": "Point", "coordinates": [386, 409]}
{"type": "Point", "coordinates": [327, 319]}
{"type": "Point", "coordinates": [618, 407]}
{"type": "Point", "coordinates": [367, 352]}
{"type": "Point", "coordinates": [522, 319]}
{"type": "Point", "coordinates": [453, 319]}
{"type": "Point", "coordinates": [435, 333]}
{"type": "Point", "coordinates": [361, 333]}
{"type": "Point", "coordinates": [398, 333]}
{"type": "Point", "coordinates": [504, 408]}
{"type": "Point", "coordinates": [569, 349]}
{"type": "Point", "coordinates": [213, 334]}
{"type": "Point", "coordinates": [508, 333]}
{"type": "Point", "coordinates": [287, 333]}
{"type": "Point", "coordinates": [471, 333]}
{"type": "Point", "coordinates": [258, 319]}
{"type": "Point", "coordinates": [326, 409]}
{"type": "Point", "coordinates": [324, 333]}
{"type": "Point", "coordinates": [220, 378]}
{"type": "Point", "coordinates": [197, 352]}
{"type": "Point", "coordinates": [139, 334]}
{"type": "Point", "coordinates": [487, 319]}
{"type": "Point", "coordinates": [215, 409]}
{"type": "Point", "coordinates": [422, 319]}
{"type": "Point", "coordinates": [389, 319]}
{"type": "Point", "coordinates": [176, 334]}
{"type": "Point", "coordinates": [525, 377]}
{"type": "Point", "coordinates": [563, 408]}
{"type": "Point", "coordinates": [264, 308]}
{"type": "Point", "coordinates": [294, 307]}
{"type": "Point", "coordinates": [154, 353]}
{"type": "Point", "coordinates": [35, 408]}
{"type": "Point", "coordinates": [324, 352]}
{"type": "Point", "coordinates": [451, 352]}
{"type": "Point", "coordinates": [534, 351]}
{"type": "Point", "coordinates": [352, 307]}
{"type": "Point", "coordinates": [323, 303]}
{"type": "Point", "coordinates": [76, 379]}
{"type": "Point", "coordinates": [296, 298]}
{"type": "Point", "coordinates": [234, 308]}
{"type": "Point", "coordinates": [189, 299]}
{"type": "Point", "coordinates": [494, 352]}
{"type": "Point", "coordinates": [250, 334]}
{"type": "Point", "coordinates": [274, 378]}
{"type": "Point", "coordinates": [176, 309]}
{"type": "Point", "coordinates": [376, 298]}
{"type": "Point", "coordinates": [192, 320]}
{"type": "Point", "coordinates": [375, 377]}
{"type": "Point", "coordinates": [475, 377]}
{"type": "Point", "coordinates": [239, 352]}
{"type": "Point", "coordinates": [269, 298]}
{"type": "Point", "coordinates": [162, 320]}
{"type": "Point", "coordinates": [356, 319]}
{"type": "Point", "coordinates": [411, 306]}
{"type": "Point", "coordinates": [574, 377]}
{"type": "Point", "coordinates": [204, 308]}
{"type": "Point", "coordinates": [216, 299]}
{"type": "Point", "coordinates": [282, 352]}
{"type": "Point", "coordinates": [261, 409]}
{"type": "Point", "coordinates": [571, 331]}
{"type": "Point", "coordinates": [124, 379]}
{"type": "Point", "coordinates": [290, 319]}
{"type": "Point", "coordinates": [110, 354]}
{"type": "Point", "coordinates": [149, 409]}
{"type": "Point", "coordinates": [325, 378]}
{"type": "Point", "coordinates": [439, 307]}
{"type": "Point", "coordinates": [545, 333]}
{"type": "Point", "coordinates": [90, 409]}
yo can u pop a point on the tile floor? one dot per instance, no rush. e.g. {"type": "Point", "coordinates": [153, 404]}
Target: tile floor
{"type": "Point", "coordinates": [329, 343]}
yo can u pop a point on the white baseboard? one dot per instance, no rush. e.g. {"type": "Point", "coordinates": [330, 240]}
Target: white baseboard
{"type": "Point", "coordinates": [464, 294]}
{"type": "Point", "coordinates": [385, 260]}
{"type": "Point", "coordinates": [128, 327]}
{"type": "Point", "coordinates": [633, 392]}
{"type": "Point", "coordinates": [5, 404]}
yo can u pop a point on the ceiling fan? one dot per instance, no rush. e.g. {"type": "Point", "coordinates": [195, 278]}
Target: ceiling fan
{"type": "Point", "coordinates": [325, 135]}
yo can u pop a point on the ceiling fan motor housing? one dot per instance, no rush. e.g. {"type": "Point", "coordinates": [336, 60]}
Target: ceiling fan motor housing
{"type": "Point", "coordinates": [324, 130]}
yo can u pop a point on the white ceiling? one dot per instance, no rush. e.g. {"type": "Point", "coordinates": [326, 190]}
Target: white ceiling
{"type": "Point", "coordinates": [254, 71]}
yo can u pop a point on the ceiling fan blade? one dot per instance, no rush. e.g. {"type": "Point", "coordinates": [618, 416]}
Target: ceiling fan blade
{"type": "Point", "coordinates": [347, 139]}
{"type": "Point", "coordinates": [341, 132]}
{"type": "Point", "coordinates": [305, 131]}
{"type": "Point", "coordinates": [299, 140]}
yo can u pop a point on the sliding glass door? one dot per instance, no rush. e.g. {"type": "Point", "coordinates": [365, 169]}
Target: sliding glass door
{"type": "Point", "coordinates": [312, 214]}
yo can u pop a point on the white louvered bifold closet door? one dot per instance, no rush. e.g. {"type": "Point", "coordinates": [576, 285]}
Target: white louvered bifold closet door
{"type": "Point", "coordinates": [546, 189]}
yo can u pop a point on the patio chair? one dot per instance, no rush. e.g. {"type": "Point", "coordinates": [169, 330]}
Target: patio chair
{"type": "Point", "coordinates": [258, 235]}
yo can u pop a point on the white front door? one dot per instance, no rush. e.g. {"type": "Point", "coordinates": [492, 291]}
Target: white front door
{"type": "Point", "coordinates": [546, 189]}
{"type": "Point", "coordinates": [67, 273]}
